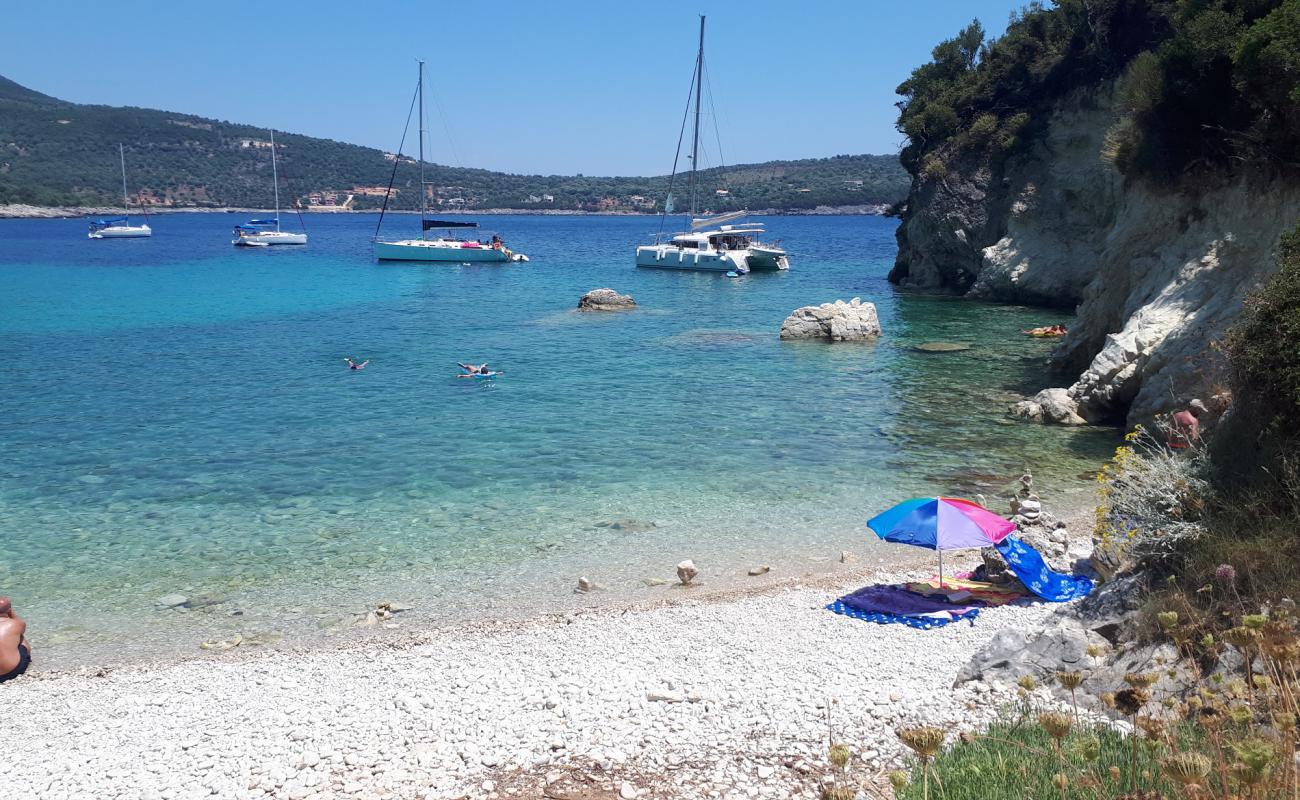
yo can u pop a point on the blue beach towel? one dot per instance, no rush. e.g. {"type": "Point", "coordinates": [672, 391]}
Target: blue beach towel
{"type": "Point", "coordinates": [1028, 565]}
{"type": "Point", "coordinates": [881, 618]}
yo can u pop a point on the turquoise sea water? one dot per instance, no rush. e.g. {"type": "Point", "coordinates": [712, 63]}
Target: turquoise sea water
{"type": "Point", "coordinates": [180, 419]}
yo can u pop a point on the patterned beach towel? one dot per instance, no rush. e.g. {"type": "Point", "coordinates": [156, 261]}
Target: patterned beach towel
{"type": "Point", "coordinates": [1028, 565]}
{"type": "Point", "coordinates": [895, 604]}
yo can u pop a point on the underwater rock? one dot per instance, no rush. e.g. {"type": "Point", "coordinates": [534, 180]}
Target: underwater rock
{"type": "Point", "coordinates": [762, 569]}
{"type": "Point", "coordinates": [605, 300]}
{"type": "Point", "coordinates": [686, 572]}
{"type": "Point", "coordinates": [171, 600]}
{"type": "Point", "coordinates": [941, 347]}
{"type": "Point", "coordinates": [627, 525]}
{"type": "Point", "coordinates": [854, 321]}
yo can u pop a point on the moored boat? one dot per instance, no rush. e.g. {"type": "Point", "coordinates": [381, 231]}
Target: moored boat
{"type": "Point", "coordinates": [120, 227]}
{"type": "Point", "coordinates": [446, 247]}
{"type": "Point", "coordinates": [267, 232]}
{"type": "Point", "coordinates": [711, 245]}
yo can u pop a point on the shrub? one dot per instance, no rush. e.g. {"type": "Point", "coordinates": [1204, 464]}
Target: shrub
{"type": "Point", "coordinates": [933, 167]}
{"type": "Point", "coordinates": [1262, 348]}
{"type": "Point", "coordinates": [1150, 504]}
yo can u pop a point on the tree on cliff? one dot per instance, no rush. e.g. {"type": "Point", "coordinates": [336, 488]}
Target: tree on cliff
{"type": "Point", "coordinates": [1211, 84]}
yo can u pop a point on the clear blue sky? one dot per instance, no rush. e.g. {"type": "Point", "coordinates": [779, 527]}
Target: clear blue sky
{"type": "Point", "coordinates": [536, 87]}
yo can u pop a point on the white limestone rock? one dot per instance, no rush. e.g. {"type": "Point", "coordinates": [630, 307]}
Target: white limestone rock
{"type": "Point", "coordinates": [854, 321]}
{"type": "Point", "coordinates": [1050, 405]}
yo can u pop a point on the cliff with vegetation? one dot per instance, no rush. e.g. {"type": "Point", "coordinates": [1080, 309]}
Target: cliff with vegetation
{"type": "Point", "coordinates": [54, 153]}
{"type": "Point", "coordinates": [1135, 159]}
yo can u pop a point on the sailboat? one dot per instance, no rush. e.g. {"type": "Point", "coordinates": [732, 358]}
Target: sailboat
{"type": "Point", "coordinates": [711, 244]}
{"type": "Point", "coordinates": [445, 246]}
{"type": "Point", "coordinates": [120, 227]}
{"type": "Point", "coordinates": [266, 232]}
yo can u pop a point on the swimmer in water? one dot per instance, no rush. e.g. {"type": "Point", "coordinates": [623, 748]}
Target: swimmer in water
{"type": "Point", "coordinates": [475, 369]}
{"type": "Point", "coordinates": [354, 365]}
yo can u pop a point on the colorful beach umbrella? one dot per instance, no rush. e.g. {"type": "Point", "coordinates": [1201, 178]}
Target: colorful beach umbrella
{"type": "Point", "coordinates": [941, 523]}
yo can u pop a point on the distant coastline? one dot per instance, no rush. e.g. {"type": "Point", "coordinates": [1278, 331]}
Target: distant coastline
{"type": "Point", "coordinates": [22, 211]}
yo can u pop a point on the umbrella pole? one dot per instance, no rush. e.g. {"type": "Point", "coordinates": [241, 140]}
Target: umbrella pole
{"type": "Point", "coordinates": [940, 569]}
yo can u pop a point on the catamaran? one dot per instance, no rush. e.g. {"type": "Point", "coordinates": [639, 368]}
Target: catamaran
{"type": "Point", "coordinates": [259, 232]}
{"type": "Point", "coordinates": [711, 244]}
{"type": "Point", "coordinates": [445, 246]}
{"type": "Point", "coordinates": [120, 227]}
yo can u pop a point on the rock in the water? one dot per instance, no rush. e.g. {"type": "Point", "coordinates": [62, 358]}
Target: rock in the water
{"type": "Point", "coordinates": [171, 601]}
{"type": "Point", "coordinates": [584, 584]}
{"type": "Point", "coordinates": [854, 321]}
{"type": "Point", "coordinates": [762, 569]}
{"type": "Point", "coordinates": [1050, 405]}
{"type": "Point", "coordinates": [686, 572]}
{"type": "Point", "coordinates": [627, 525]}
{"type": "Point", "coordinates": [605, 300]}
{"type": "Point", "coordinates": [941, 347]}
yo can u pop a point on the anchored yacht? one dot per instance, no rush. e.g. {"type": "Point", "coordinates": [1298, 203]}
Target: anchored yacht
{"type": "Point", "coordinates": [120, 227]}
{"type": "Point", "coordinates": [445, 246]}
{"type": "Point", "coordinates": [266, 232]}
{"type": "Point", "coordinates": [711, 244]}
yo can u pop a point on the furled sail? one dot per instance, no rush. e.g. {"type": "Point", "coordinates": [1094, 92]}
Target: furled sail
{"type": "Point", "coordinates": [431, 224]}
{"type": "Point", "coordinates": [720, 219]}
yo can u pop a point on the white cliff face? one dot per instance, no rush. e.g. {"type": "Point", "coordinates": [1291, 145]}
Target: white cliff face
{"type": "Point", "coordinates": [1158, 273]}
{"type": "Point", "coordinates": [1170, 282]}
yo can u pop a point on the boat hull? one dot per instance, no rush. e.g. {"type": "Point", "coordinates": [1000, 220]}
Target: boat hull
{"type": "Point", "coordinates": [763, 259]}
{"type": "Point", "coordinates": [417, 250]}
{"type": "Point", "coordinates": [669, 257]}
{"type": "Point", "coordinates": [269, 238]}
{"type": "Point", "coordinates": [122, 232]}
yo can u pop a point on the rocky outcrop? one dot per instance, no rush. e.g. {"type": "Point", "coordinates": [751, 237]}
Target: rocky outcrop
{"type": "Point", "coordinates": [1157, 275]}
{"type": "Point", "coordinates": [853, 321]}
{"type": "Point", "coordinates": [1050, 405]}
{"type": "Point", "coordinates": [605, 300]}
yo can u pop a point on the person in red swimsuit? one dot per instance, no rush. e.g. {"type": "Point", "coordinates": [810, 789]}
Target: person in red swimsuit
{"type": "Point", "coordinates": [1184, 429]}
{"type": "Point", "coordinates": [15, 652]}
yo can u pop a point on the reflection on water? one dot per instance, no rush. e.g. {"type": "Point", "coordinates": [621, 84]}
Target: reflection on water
{"type": "Point", "coordinates": [184, 423]}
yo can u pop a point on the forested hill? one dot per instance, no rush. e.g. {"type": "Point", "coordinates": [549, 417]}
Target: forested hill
{"type": "Point", "coordinates": [53, 152]}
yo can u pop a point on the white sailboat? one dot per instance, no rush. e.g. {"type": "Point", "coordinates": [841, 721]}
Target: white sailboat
{"type": "Point", "coordinates": [445, 247]}
{"type": "Point", "coordinates": [259, 232]}
{"type": "Point", "coordinates": [121, 227]}
{"type": "Point", "coordinates": [710, 245]}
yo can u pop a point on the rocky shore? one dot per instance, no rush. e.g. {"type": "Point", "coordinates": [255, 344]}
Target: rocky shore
{"type": "Point", "coordinates": [727, 697]}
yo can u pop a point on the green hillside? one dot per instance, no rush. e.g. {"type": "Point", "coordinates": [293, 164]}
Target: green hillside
{"type": "Point", "coordinates": [54, 152]}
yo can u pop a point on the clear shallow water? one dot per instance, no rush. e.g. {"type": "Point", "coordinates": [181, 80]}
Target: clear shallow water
{"type": "Point", "coordinates": [180, 419]}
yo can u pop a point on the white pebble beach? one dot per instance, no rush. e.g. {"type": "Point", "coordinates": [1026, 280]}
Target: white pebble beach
{"type": "Point", "coordinates": [715, 697]}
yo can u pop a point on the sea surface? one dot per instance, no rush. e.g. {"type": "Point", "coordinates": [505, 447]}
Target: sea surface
{"type": "Point", "coordinates": [179, 418]}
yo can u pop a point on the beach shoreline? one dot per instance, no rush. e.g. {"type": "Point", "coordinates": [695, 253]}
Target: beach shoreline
{"type": "Point", "coordinates": [686, 696]}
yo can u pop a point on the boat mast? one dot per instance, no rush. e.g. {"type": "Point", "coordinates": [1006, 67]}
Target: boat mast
{"type": "Point", "coordinates": [423, 209]}
{"type": "Point", "coordinates": [275, 181]}
{"type": "Point", "coordinates": [695, 146]}
{"type": "Point", "coordinates": [126, 208]}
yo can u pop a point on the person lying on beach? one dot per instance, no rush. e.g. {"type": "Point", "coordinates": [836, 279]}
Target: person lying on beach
{"type": "Point", "coordinates": [354, 365]}
{"type": "Point", "coordinates": [15, 653]}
